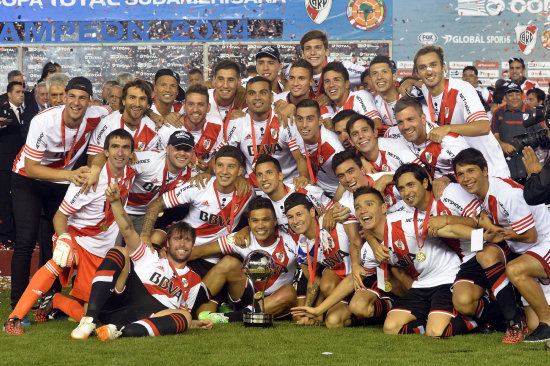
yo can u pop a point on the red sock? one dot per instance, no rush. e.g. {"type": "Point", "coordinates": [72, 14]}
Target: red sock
{"type": "Point", "coordinates": [40, 283]}
{"type": "Point", "coordinates": [71, 307]}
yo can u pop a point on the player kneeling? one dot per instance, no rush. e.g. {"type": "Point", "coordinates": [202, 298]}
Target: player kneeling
{"type": "Point", "coordinates": [133, 282]}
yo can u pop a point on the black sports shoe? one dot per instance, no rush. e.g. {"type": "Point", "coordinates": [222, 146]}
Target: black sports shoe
{"type": "Point", "coordinates": [541, 334]}
{"type": "Point", "coordinates": [46, 306]}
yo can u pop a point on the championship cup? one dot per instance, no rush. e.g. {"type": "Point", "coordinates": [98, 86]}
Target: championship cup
{"type": "Point", "coordinates": [258, 267]}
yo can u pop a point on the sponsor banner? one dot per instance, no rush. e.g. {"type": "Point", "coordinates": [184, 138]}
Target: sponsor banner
{"type": "Point", "coordinates": [487, 65]}
{"type": "Point", "coordinates": [459, 64]}
{"type": "Point", "coordinates": [103, 21]}
{"type": "Point", "coordinates": [455, 74]}
{"type": "Point", "coordinates": [405, 64]}
{"type": "Point", "coordinates": [538, 74]}
{"type": "Point", "coordinates": [488, 74]}
{"type": "Point", "coordinates": [404, 73]}
{"type": "Point", "coordinates": [427, 38]}
{"type": "Point", "coordinates": [538, 65]}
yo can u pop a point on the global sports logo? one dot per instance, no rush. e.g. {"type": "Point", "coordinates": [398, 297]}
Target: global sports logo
{"type": "Point", "coordinates": [366, 15]}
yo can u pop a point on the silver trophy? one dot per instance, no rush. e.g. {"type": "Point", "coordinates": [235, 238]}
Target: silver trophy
{"type": "Point", "coordinates": [258, 266]}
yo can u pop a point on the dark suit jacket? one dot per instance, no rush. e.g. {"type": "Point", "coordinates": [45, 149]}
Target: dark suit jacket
{"type": "Point", "coordinates": [11, 141]}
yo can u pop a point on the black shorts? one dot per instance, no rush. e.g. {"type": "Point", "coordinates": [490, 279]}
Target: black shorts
{"type": "Point", "coordinates": [420, 302]}
{"type": "Point", "coordinates": [201, 267]}
{"type": "Point", "coordinates": [472, 272]}
{"type": "Point", "coordinates": [132, 304]}
{"type": "Point", "coordinates": [371, 285]}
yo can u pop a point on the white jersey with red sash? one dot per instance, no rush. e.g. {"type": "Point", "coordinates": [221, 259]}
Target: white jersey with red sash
{"type": "Point", "coordinates": [265, 137]}
{"type": "Point", "coordinates": [152, 179]}
{"type": "Point", "coordinates": [91, 222]}
{"type": "Point", "coordinates": [459, 104]}
{"type": "Point", "coordinates": [55, 145]}
{"type": "Point", "coordinates": [437, 158]}
{"type": "Point", "coordinates": [175, 288]}
{"type": "Point", "coordinates": [387, 114]}
{"type": "Point", "coordinates": [145, 135]}
{"type": "Point", "coordinates": [527, 84]}
{"type": "Point", "coordinates": [441, 263]}
{"type": "Point", "coordinates": [283, 251]}
{"type": "Point", "coordinates": [220, 113]}
{"type": "Point", "coordinates": [332, 250]}
{"type": "Point", "coordinates": [315, 194]}
{"type": "Point", "coordinates": [176, 107]}
{"type": "Point", "coordinates": [505, 203]}
{"type": "Point", "coordinates": [392, 153]}
{"type": "Point", "coordinates": [211, 213]}
{"type": "Point", "coordinates": [206, 139]}
{"type": "Point", "coordinates": [360, 101]}
{"type": "Point", "coordinates": [319, 158]}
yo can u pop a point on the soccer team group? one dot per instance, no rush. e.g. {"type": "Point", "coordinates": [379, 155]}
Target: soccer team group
{"type": "Point", "coordinates": [394, 209]}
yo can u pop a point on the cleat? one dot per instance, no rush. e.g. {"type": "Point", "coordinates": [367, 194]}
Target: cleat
{"type": "Point", "coordinates": [25, 322]}
{"type": "Point", "coordinates": [225, 308]}
{"type": "Point", "coordinates": [514, 333]}
{"type": "Point", "coordinates": [42, 314]}
{"type": "Point", "coordinates": [108, 332]}
{"type": "Point", "coordinates": [13, 326]}
{"type": "Point", "coordinates": [216, 318]}
{"type": "Point", "coordinates": [540, 334]}
{"type": "Point", "coordinates": [84, 329]}
{"type": "Point", "coordinates": [57, 314]}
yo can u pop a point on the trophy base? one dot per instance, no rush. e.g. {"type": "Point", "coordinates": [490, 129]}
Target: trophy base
{"type": "Point", "coordinates": [258, 320]}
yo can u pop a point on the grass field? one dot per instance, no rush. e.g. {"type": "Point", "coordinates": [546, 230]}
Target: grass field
{"type": "Point", "coordinates": [285, 344]}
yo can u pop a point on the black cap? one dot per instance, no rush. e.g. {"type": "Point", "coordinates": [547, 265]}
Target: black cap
{"type": "Point", "coordinates": [168, 72]}
{"type": "Point", "coordinates": [181, 138]}
{"type": "Point", "coordinates": [80, 83]}
{"type": "Point", "coordinates": [269, 51]}
{"type": "Point", "coordinates": [296, 199]}
{"type": "Point", "coordinates": [228, 151]}
{"type": "Point", "coordinates": [512, 87]}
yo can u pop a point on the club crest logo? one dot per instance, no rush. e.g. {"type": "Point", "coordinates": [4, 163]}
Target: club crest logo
{"type": "Point", "coordinates": [280, 256]}
{"type": "Point", "coordinates": [274, 133]}
{"type": "Point", "coordinates": [429, 157]}
{"type": "Point", "coordinates": [318, 10]}
{"type": "Point", "coordinates": [399, 244]}
{"type": "Point", "coordinates": [526, 36]}
{"type": "Point", "coordinates": [141, 145]}
{"type": "Point", "coordinates": [366, 15]}
{"type": "Point", "coordinates": [206, 144]}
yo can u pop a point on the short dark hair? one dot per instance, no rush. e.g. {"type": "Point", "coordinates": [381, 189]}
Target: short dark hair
{"type": "Point", "coordinates": [12, 74]}
{"type": "Point", "coordinates": [265, 158]}
{"type": "Point", "coordinates": [198, 89]}
{"type": "Point", "coordinates": [429, 49]}
{"type": "Point", "coordinates": [304, 64]}
{"type": "Point", "coordinates": [297, 199]}
{"type": "Point", "coordinates": [406, 103]}
{"type": "Point", "coordinates": [228, 151]}
{"type": "Point", "coordinates": [181, 227]}
{"type": "Point", "coordinates": [472, 68]}
{"type": "Point", "coordinates": [359, 117]}
{"type": "Point", "coordinates": [538, 93]}
{"type": "Point", "coordinates": [368, 190]}
{"type": "Point", "coordinates": [141, 85]}
{"type": "Point", "coordinates": [258, 79]}
{"type": "Point", "coordinates": [364, 74]}
{"type": "Point", "coordinates": [257, 203]}
{"type": "Point", "coordinates": [12, 84]}
{"type": "Point", "coordinates": [338, 67]}
{"type": "Point", "coordinates": [195, 70]}
{"type": "Point", "coordinates": [517, 59]}
{"type": "Point", "coordinates": [227, 64]}
{"type": "Point", "coordinates": [307, 103]}
{"type": "Point", "coordinates": [381, 59]}
{"type": "Point", "coordinates": [343, 114]}
{"type": "Point", "coordinates": [344, 156]}
{"type": "Point", "coordinates": [470, 156]}
{"type": "Point", "coordinates": [419, 173]}
{"type": "Point", "coordinates": [121, 133]}
{"type": "Point", "coordinates": [314, 34]}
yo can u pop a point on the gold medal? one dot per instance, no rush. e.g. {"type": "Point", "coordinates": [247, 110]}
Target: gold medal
{"type": "Point", "coordinates": [104, 226]}
{"type": "Point", "coordinates": [420, 256]}
{"type": "Point", "coordinates": [388, 286]}
{"type": "Point", "coordinates": [258, 295]}
{"type": "Point", "coordinates": [230, 239]}
{"type": "Point", "coordinates": [160, 214]}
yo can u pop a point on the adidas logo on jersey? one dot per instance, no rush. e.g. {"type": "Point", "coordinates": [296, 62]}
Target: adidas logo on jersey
{"type": "Point", "coordinates": [205, 203]}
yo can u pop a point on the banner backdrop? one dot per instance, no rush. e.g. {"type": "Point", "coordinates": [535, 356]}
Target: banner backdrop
{"type": "Point", "coordinates": [43, 21]}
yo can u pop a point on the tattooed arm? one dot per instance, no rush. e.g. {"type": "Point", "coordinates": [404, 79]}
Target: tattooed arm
{"type": "Point", "coordinates": [155, 208]}
{"type": "Point", "coordinates": [131, 237]}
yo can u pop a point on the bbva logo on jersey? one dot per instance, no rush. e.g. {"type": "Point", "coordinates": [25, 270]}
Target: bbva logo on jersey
{"type": "Point", "coordinates": [318, 10]}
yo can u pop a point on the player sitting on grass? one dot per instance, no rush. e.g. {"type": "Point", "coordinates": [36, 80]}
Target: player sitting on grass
{"type": "Point", "coordinates": [125, 293]}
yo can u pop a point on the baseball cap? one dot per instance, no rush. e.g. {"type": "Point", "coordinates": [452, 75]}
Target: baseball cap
{"type": "Point", "coordinates": [269, 51]}
{"type": "Point", "coordinates": [80, 83]}
{"type": "Point", "coordinates": [168, 72]}
{"type": "Point", "coordinates": [181, 138]}
{"type": "Point", "coordinates": [512, 87]}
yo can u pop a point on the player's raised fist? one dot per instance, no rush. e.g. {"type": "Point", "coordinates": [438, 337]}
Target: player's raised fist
{"type": "Point", "coordinates": [113, 191]}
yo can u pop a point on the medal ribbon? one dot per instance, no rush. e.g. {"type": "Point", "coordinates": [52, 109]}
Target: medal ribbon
{"type": "Point", "coordinates": [384, 265]}
{"type": "Point", "coordinates": [388, 110]}
{"type": "Point", "coordinates": [67, 158]}
{"type": "Point", "coordinates": [424, 224]}
{"type": "Point", "coordinates": [312, 267]}
{"type": "Point", "coordinates": [119, 182]}
{"type": "Point", "coordinates": [312, 176]}
{"type": "Point", "coordinates": [139, 132]}
{"type": "Point", "coordinates": [166, 187]}
{"type": "Point", "coordinates": [226, 119]}
{"type": "Point", "coordinates": [177, 278]}
{"type": "Point", "coordinates": [232, 214]}
{"type": "Point", "coordinates": [265, 137]}
{"type": "Point", "coordinates": [444, 102]}
{"type": "Point", "coordinates": [320, 86]}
